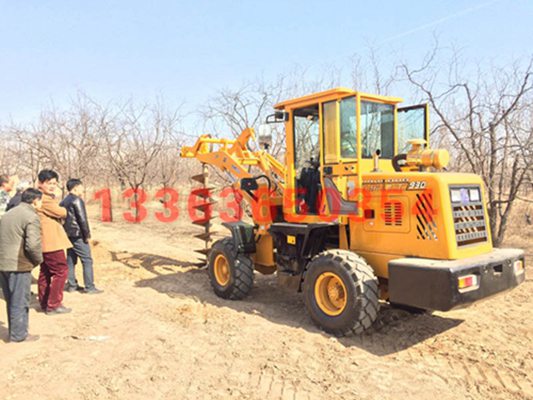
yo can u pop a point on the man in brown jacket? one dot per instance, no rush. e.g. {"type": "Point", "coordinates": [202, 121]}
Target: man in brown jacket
{"type": "Point", "coordinates": [20, 252]}
{"type": "Point", "coordinates": [54, 269]}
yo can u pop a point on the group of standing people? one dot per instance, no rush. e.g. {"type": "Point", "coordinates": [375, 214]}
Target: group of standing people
{"type": "Point", "coordinates": [37, 229]}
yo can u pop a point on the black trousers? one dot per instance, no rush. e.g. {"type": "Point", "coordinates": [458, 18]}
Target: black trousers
{"type": "Point", "coordinates": [17, 289]}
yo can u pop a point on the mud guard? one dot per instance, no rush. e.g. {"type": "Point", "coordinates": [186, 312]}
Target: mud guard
{"type": "Point", "coordinates": [243, 236]}
{"type": "Point", "coordinates": [296, 244]}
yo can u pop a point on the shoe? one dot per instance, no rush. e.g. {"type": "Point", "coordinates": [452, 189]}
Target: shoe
{"type": "Point", "coordinates": [29, 338]}
{"type": "Point", "coordinates": [72, 289]}
{"type": "Point", "coordinates": [59, 310]}
{"type": "Point", "coordinates": [93, 291]}
{"type": "Point", "coordinates": [32, 338]}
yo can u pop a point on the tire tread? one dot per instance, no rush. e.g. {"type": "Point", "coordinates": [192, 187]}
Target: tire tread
{"type": "Point", "coordinates": [366, 286]}
{"type": "Point", "coordinates": [244, 272]}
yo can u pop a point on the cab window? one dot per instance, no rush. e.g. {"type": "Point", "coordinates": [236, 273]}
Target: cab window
{"type": "Point", "coordinates": [306, 139]}
{"type": "Point", "coordinates": [348, 127]}
{"type": "Point", "coordinates": [306, 159]}
{"type": "Point", "coordinates": [377, 129]}
{"type": "Point", "coordinates": [329, 126]}
{"type": "Point", "coordinates": [411, 125]}
{"type": "Point", "coordinates": [339, 115]}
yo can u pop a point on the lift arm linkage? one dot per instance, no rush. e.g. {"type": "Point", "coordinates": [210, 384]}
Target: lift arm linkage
{"type": "Point", "coordinates": [233, 156]}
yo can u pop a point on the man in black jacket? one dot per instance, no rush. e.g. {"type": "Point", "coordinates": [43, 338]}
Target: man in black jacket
{"type": "Point", "coordinates": [17, 198]}
{"type": "Point", "coordinates": [77, 228]}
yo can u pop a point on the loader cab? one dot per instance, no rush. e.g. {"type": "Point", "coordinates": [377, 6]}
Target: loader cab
{"type": "Point", "coordinates": [332, 140]}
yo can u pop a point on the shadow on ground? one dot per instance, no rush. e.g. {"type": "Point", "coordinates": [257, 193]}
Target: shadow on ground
{"type": "Point", "coordinates": [4, 332]}
{"type": "Point", "coordinates": [394, 331]}
{"type": "Point", "coordinates": [149, 262]}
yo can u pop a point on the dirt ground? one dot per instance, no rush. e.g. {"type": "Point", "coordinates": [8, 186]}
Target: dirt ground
{"type": "Point", "coordinates": [159, 332]}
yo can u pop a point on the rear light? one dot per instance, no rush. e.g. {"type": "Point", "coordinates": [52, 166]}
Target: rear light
{"type": "Point", "coordinates": [518, 267]}
{"type": "Point", "coordinates": [468, 282]}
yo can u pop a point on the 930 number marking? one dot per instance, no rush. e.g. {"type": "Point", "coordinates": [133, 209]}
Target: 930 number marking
{"type": "Point", "coordinates": [416, 185]}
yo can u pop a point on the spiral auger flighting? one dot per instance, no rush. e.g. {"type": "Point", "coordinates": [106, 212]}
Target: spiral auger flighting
{"type": "Point", "coordinates": [234, 157]}
{"type": "Point", "coordinates": [203, 211]}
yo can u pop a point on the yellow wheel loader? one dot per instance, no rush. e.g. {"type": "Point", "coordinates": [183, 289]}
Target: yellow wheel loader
{"type": "Point", "coordinates": [362, 210]}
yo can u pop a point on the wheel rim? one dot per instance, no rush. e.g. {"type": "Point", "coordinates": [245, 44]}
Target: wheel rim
{"type": "Point", "coordinates": [330, 293]}
{"type": "Point", "coordinates": [221, 270]}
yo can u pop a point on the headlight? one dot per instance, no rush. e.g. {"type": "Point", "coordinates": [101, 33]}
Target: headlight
{"type": "Point", "coordinates": [474, 195]}
{"type": "Point", "coordinates": [465, 195]}
{"type": "Point", "coordinates": [456, 195]}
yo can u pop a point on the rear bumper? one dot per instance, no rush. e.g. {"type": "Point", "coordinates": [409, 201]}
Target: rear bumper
{"type": "Point", "coordinates": [433, 284]}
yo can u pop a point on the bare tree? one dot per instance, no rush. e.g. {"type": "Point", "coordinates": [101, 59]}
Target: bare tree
{"type": "Point", "coordinates": [168, 164]}
{"type": "Point", "coordinates": [135, 139]}
{"type": "Point", "coordinates": [370, 74]}
{"type": "Point", "coordinates": [489, 119]}
{"type": "Point", "coordinates": [231, 111]}
{"type": "Point", "coordinates": [10, 161]}
{"type": "Point", "coordinates": [67, 141]}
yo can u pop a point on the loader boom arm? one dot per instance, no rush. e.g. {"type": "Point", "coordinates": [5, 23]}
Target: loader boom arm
{"type": "Point", "coordinates": [235, 158]}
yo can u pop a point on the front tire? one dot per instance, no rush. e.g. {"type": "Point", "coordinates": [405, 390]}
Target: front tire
{"type": "Point", "coordinates": [341, 292]}
{"type": "Point", "coordinates": [231, 274]}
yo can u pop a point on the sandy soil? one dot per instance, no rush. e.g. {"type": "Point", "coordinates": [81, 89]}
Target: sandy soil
{"type": "Point", "coordinates": [159, 332]}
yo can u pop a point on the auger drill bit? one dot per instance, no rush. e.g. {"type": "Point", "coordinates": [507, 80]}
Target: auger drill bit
{"type": "Point", "coordinates": [205, 207]}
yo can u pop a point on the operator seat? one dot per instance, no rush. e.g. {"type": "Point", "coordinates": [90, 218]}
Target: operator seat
{"type": "Point", "coordinates": [309, 187]}
{"type": "Point", "coordinates": [336, 203]}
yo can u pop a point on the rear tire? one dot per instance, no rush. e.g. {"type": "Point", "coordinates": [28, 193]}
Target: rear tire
{"type": "Point", "coordinates": [231, 274]}
{"type": "Point", "coordinates": [341, 292]}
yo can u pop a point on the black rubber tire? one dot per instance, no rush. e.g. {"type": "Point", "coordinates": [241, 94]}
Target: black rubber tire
{"type": "Point", "coordinates": [241, 271]}
{"type": "Point", "coordinates": [361, 284]}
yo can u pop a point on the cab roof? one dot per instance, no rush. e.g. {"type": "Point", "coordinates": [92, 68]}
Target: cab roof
{"type": "Point", "coordinates": [333, 94]}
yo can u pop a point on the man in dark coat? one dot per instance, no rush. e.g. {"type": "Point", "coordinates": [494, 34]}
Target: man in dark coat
{"type": "Point", "coordinates": [77, 228]}
{"type": "Point", "coordinates": [16, 199]}
{"type": "Point", "coordinates": [6, 186]}
{"type": "Point", "coordinates": [20, 252]}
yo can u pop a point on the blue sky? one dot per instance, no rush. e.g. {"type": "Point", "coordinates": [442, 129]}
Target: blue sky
{"type": "Point", "coordinates": [185, 51]}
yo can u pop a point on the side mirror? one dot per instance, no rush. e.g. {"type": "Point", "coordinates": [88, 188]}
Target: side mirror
{"type": "Point", "coordinates": [277, 117]}
{"type": "Point", "coordinates": [265, 136]}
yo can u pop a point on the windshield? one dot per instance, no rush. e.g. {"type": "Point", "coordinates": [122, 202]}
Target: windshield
{"type": "Point", "coordinates": [377, 129]}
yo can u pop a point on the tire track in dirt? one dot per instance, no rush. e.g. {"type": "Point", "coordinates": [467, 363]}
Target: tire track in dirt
{"type": "Point", "coordinates": [463, 372]}
{"type": "Point", "coordinates": [466, 372]}
{"type": "Point", "coordinates": [171, 337]}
